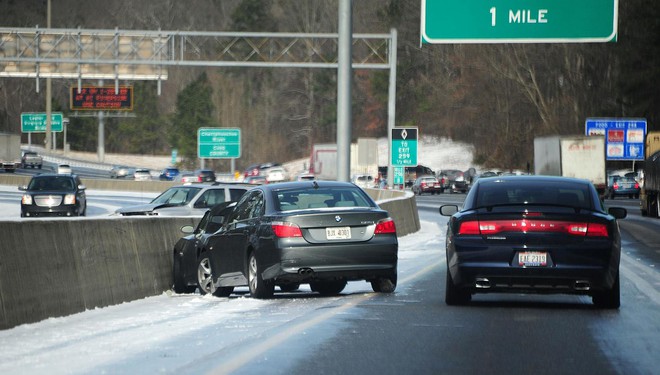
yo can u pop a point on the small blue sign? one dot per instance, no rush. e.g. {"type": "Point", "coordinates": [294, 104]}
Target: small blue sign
{"type": "Point", "coordinates": [624, 138]}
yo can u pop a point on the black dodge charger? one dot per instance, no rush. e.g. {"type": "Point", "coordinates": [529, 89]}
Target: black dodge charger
{"type": "Point", "coordinates": [533, 234]}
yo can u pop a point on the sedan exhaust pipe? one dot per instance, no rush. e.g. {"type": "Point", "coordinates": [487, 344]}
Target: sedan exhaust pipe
{"type": "Point", "coordinates": [307, 272]}
{"type": "Point", "coordinates": [582, 285]}
{"type": "Point", "coordinates": [482, 283]}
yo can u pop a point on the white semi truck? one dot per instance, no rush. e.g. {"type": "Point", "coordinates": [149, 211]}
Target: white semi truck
{"type": "Point", "coordinates": [572, 156]}
{"type": "Point", "coordinates": [10, 151]}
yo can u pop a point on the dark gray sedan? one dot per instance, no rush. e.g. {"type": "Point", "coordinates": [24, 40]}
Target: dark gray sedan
{"type": "Point", "coordinates": [319, 233]}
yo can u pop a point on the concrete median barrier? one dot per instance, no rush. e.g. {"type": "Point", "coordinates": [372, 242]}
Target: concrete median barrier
{"type": "Point", "coordinates": [58, 267]}
{"type": "Point", "coordinates": [52, 268]}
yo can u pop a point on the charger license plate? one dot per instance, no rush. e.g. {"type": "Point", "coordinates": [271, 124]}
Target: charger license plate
{"type": "Point", "coordinates": [338, 233]}
{"type": "Point", "coordinates": [533, 259]}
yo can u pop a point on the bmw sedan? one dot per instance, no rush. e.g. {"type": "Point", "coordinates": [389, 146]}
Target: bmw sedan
{"type": "Point", "coordinates": [319, 233]}
{"type": "Point", "coordinates": [53, 195]}
{"type": "Point", "coordinates": [533, 234]}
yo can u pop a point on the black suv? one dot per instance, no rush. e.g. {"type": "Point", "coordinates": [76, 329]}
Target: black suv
{"type": "Point", "coordinates": [53, 195]}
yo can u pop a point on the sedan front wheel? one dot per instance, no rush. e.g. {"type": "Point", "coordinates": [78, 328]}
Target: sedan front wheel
{"type": "Point", "coordinates": [204, 277]}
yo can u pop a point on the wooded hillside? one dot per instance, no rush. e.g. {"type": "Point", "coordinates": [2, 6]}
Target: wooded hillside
{"type": "Point", "coordinates": [497, 97]}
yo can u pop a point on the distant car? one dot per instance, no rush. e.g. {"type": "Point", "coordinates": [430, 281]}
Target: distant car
{"type": "Point", "coordinates": [31, 159]}
{"type": "Point", "coordinates": [622, 186]}
{"type": "Point", "coordinates": [363, 180]}
{"type": "Point", "coordinates": [534, 234]}
{"type": "Point", "coordinates": [53, 195]}
{"type": "Point", "coordinates": [255, 180]}
{"type": "Point", "coordinates": [305, 177]}
{"type": "Point", "coordinates": [427, 184]}
{"type": "Point", "coordinates": [121, 171]}
{"type": "Point", "coordinates": [276, 174]}
{"type": "Point", "coordinates": [169, 174]}
{"type": "Point", "coordinates": [322, 233]}
{"type": "Point", "coordinates": [141, 174]}
{"type": "Point", "coordinates": [457, 182]}
{"type": "Point", "coordinates": [191, 270]}
{"type": "Point", "coordinates": [187, 178]}
{"type": "Point", "coordinates": [187, 200]}
{"type": "Point", "coordinates": [205, 175]}
{"type": "Point", "coordinates": [259, 169]}
{"type": "Point", "coordinates": [64, 169]}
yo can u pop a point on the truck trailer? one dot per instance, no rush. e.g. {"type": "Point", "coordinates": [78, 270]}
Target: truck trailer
{"type": "Point", "coordinates": [572, 156]}
{"type": "Point", "coordinates": [649, 195]}
{"type": "Point", "coordinates": [10, 152]}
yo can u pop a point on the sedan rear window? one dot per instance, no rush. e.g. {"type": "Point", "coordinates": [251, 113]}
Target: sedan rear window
{"type": "Point", "coordinates": [296, 199]}
{"type": "Point", "coordinates": [529, 193]}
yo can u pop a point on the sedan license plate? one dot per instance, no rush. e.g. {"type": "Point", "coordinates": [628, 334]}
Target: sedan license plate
{"type": "Point", "coordinates": [338, 233]}
{"type": "Point", "coordinates": [533, 259]}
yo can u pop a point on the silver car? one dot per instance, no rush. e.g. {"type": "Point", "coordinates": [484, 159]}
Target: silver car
{"type": "Point", "coordinates": [187, 200]}
{"type": "Point", "coordinates": [120, 171]}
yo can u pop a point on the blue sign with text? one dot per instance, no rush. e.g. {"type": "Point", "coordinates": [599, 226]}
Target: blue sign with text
{"type": "Point", "coordinates": [624, 138]}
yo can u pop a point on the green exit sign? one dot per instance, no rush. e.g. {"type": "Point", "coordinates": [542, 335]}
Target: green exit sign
{"type": "Point", "coordinates": [519, 21]}
{"type": "Point", "coordinates": [36, 122]}
{"type": "Point", "coordinates": [404, 147]}
{"type": "Point", "coordinates": [218, 143]}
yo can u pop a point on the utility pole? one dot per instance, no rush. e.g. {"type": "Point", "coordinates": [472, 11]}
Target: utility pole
{"type": "Point", "coordinates": [49, 93]}
{"type": "Point", "coordinates": [344, 76]}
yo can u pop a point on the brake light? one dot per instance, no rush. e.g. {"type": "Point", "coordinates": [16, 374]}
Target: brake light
{"type": "Point", "coordinates": [597, 230]}
{"type": "Point", "coordinates": [490, 227]}
{"type": "Point", "coordinates": [615, 186]}
{"type": "Point", "coordinates": [286, 230]}
{"type": "Point", "coordinates": [385, 226]}
{"type": "Point", "coordinates": [636, 185]}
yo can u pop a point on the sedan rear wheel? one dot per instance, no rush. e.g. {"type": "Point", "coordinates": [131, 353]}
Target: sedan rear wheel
{"type": "Point", "coordinates": [328, 288]}
{"type": "Point", "coordinates": [610, 299]}
{"type": "Point", "coordinates": [455, 295]}
{"type": "Point", "coordinates": [289, 287]}
{"type": "Point", "coordinates": [384, 285]}
{"type": "Point", "coordinates": [259, 288]}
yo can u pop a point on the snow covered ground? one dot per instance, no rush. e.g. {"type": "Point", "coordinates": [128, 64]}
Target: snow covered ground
{"type": "Point", "coordinates": [188, 333]}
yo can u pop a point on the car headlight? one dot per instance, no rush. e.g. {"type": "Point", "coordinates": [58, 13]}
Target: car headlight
{"type": "Point", "coordinates": [27, 199]}
{"type": "Point", "coordinates": [70, 199]}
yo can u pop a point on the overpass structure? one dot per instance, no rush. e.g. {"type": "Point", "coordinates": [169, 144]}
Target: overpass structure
{"type": "Point", "coordinates": [88, 54]}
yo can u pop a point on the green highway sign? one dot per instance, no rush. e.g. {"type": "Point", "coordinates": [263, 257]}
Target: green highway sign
{"type": "Point", "coordinates": [404, 147]}
{"type": "Point", "coordinates": [520, 21]}
{"type": "Point", "coordinates": [218, 143]}
{"type": "Point", "coordinates": [36, 122]}
{"type": "Point", "coordinates": [398, 175]}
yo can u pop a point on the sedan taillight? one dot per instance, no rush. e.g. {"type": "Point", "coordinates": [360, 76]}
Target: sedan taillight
{"type": "Point", "coordinates": [385, 226]}
{"type": "Point", "coordinates": [525, 226]}
{"type": "Point", "coordinates": [286, 230]}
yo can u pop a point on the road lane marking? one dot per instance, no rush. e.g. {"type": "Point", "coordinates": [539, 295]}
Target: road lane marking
{"type": "Point", "coordinates": [278, 339]}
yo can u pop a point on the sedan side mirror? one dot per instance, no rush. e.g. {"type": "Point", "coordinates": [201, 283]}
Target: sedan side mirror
{"type": "Point", "coordinates": [618, 212]}
{"type": "Point", "coordinates": [448, 209]}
